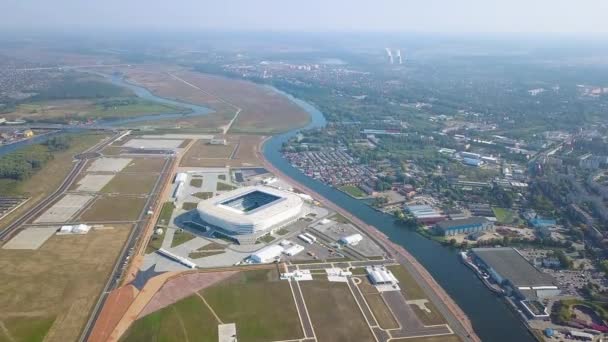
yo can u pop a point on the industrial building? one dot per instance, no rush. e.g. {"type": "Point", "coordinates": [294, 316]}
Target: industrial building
{"type": "Point", "coordinates": [251, 210]}
{"type": "Point", "coordinates": [351, 240]}
{"type": "Point", "coordinates": [515, 274]}
{"type": "Point", "coordinates": [464, 226]}
{"type": "Point", "coordinates": [425, 214]}
{"type": "Point", "coordinates": [267, 254]}
{"type": "Point", "coordinates": [381, 276]}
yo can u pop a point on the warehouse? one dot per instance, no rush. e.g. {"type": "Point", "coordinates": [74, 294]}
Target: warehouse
{"type": "Point", "coordinates": [251, 210]}
{"type": "Point", "coordinates": [514, 273]}
{"type": "Point", "coordinates": [351, 240]}
{"type": "Point", "coordinates": [463, 226]}
{"type": "Point", "coordinates": [425, 214]}
{"type": "Point", "coordinates": [381, 276]}
{"type": "Point", "coordinates": [267, 254]}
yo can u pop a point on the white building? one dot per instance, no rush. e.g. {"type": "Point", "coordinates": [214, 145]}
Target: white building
{"type": "Point", "coordinates": [294, 250]}
{"type": "Point", "coordinates": [381, 276]}
{"type": "Point", "coordinates": [351, 240]}
{"type": "Point", "coordinates": [267, 254]}
{"type": "Point", "coordinates": [251, 209]}
{"type": "Point", "coordinates": [180, 177]}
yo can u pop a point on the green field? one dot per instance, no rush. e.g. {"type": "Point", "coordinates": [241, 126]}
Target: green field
{"type": "Point", "coordinates": [196, 182]}
{"type": "Point", "coordinates": [408, 284]}
{"type": "Point", "coordinates": [26, 330]}
{"type": "Point", "coordinates": [506, 216]}
{"type": "Point", "coordinates": [189, 205]}
{"type": "Point", "coordinates": [203, 195]}
{"type": "Point", "coordinates": [240, 299]}
{"type": "Point", "coordinates": [82, 109]}
{"type": "Point", "coordinates": [187, 320]}
{"type": "Point", "coordinates": [266, 238]}
{"type": "Point", "coordinates": [224, 187]}
{"type": "Point", "coordinates": [165, 213]}
{"type": "Point", "coordinates": [352, 190]}
{"type": "Point", "coordinates": [181, 237]}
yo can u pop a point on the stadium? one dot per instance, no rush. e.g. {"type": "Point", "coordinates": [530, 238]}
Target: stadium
{"type": "Point", "coordinates": [251, 210]}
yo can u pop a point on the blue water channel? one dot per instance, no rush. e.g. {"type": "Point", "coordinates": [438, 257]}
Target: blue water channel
{"type": "Point", "coordinates": [491, 318]}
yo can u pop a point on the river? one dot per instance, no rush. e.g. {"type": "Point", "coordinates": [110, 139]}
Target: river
{"type": "Point", "coordinates": [491, 318]}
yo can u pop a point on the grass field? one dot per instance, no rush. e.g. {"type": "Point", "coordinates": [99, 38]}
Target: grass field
{"type": "Point", "coordinates": [181, 237]}
{"type": "Point", "coordinates": [203, 195]}
{"type": "Point", "coordinates": [165, 213]}
{"type": "Point", "coordinates": [155, 242]}
{"type": "Point", "coordinates": [187, 320]}
{"type": "Point", "coordinates": [19, 329]}
{"type": "Point", "coordinates": [203, 254]}
{"type": "Point", "coordinates": [111, 208]}
{"type": "Point", "coordinates": [189, 205]}
{"type": "Point", "coordinates": [131, 184]}
{"type": "Point", "coordinates": [64, 110]}
{"type": "Point", "coordinates": [382, 313]}
{"type": "Point", "coordinates": [408, 284]}
{"type": "Point", "coordinates": [245, 299]}
{"type": "Point", "coordinates": [352, 190]}
{"type": "Point", "coordinates": [196, 182]}
{"type": "Point", "coordinates": [48, 178]}
{"type": "Point", "coordinates": [57, 283]}
{"type": "Point", "coordinates": [242, 298]}
{"type": "Point", "coordinates": [506, 216]}
{"type": "Point", "coordinates": [334, 312]}
{"type": "Point", "coordinates": [266, 238]}
{"type": "Point", "coordinates": [220, 186]}
{"type": "Point", "coordinates": [429, 318]}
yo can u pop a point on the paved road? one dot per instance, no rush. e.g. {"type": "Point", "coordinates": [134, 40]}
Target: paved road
{"type": "Point", "coordinates": [16, 225]}
{"type": "Point", "coordinates": [410, 323]}
{"type": "Point", "coordinates": [114, 279]}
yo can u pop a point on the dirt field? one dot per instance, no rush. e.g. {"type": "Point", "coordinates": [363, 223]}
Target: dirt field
{"type": "Point", "coordinates": [264, 110]}
{"type": "Point", "coordinates": [242, 148]}
{"type": "Point", "coordinates": [131, 183]}
{"type": "Point", "coordinates": [334, 312]}
{"type": "Point", "coordinates": [145, 165]}
{"type": "Point", "coordinates": [114, 208]}
{"type": "Point", "coordinates": [58, 283]}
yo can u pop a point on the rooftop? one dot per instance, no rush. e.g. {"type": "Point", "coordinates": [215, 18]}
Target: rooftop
{"type": "Point", "coordinates": [451, 224]}
{"type": "Point", "coordinates": [511, 265]}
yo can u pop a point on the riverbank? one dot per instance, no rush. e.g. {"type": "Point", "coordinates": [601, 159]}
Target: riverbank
{"type": "Point", "coordinates": [442, 299]}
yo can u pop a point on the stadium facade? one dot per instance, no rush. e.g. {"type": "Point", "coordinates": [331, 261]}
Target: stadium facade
{"type": "Point", "coordinates": [251, 210]}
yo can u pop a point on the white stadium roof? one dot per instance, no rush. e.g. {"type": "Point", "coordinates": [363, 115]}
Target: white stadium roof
{"type": "Point", "coordinates": [265, 208]}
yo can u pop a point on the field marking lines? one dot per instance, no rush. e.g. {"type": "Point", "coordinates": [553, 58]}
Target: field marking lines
{"type": "Point", "coordinates": [217, 318]}
{"type": "Point", "coordinates": [295, 301]}
{"type": "Point", "coordinates": [312, 327]}
{"type": "Point", "coordinates": [181, 323]}
{"type": "Point", "coordinates": [371, 327]}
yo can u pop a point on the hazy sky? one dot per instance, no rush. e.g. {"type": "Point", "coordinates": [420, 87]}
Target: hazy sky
{"type": "Point", "coordinates": [552, 16]}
